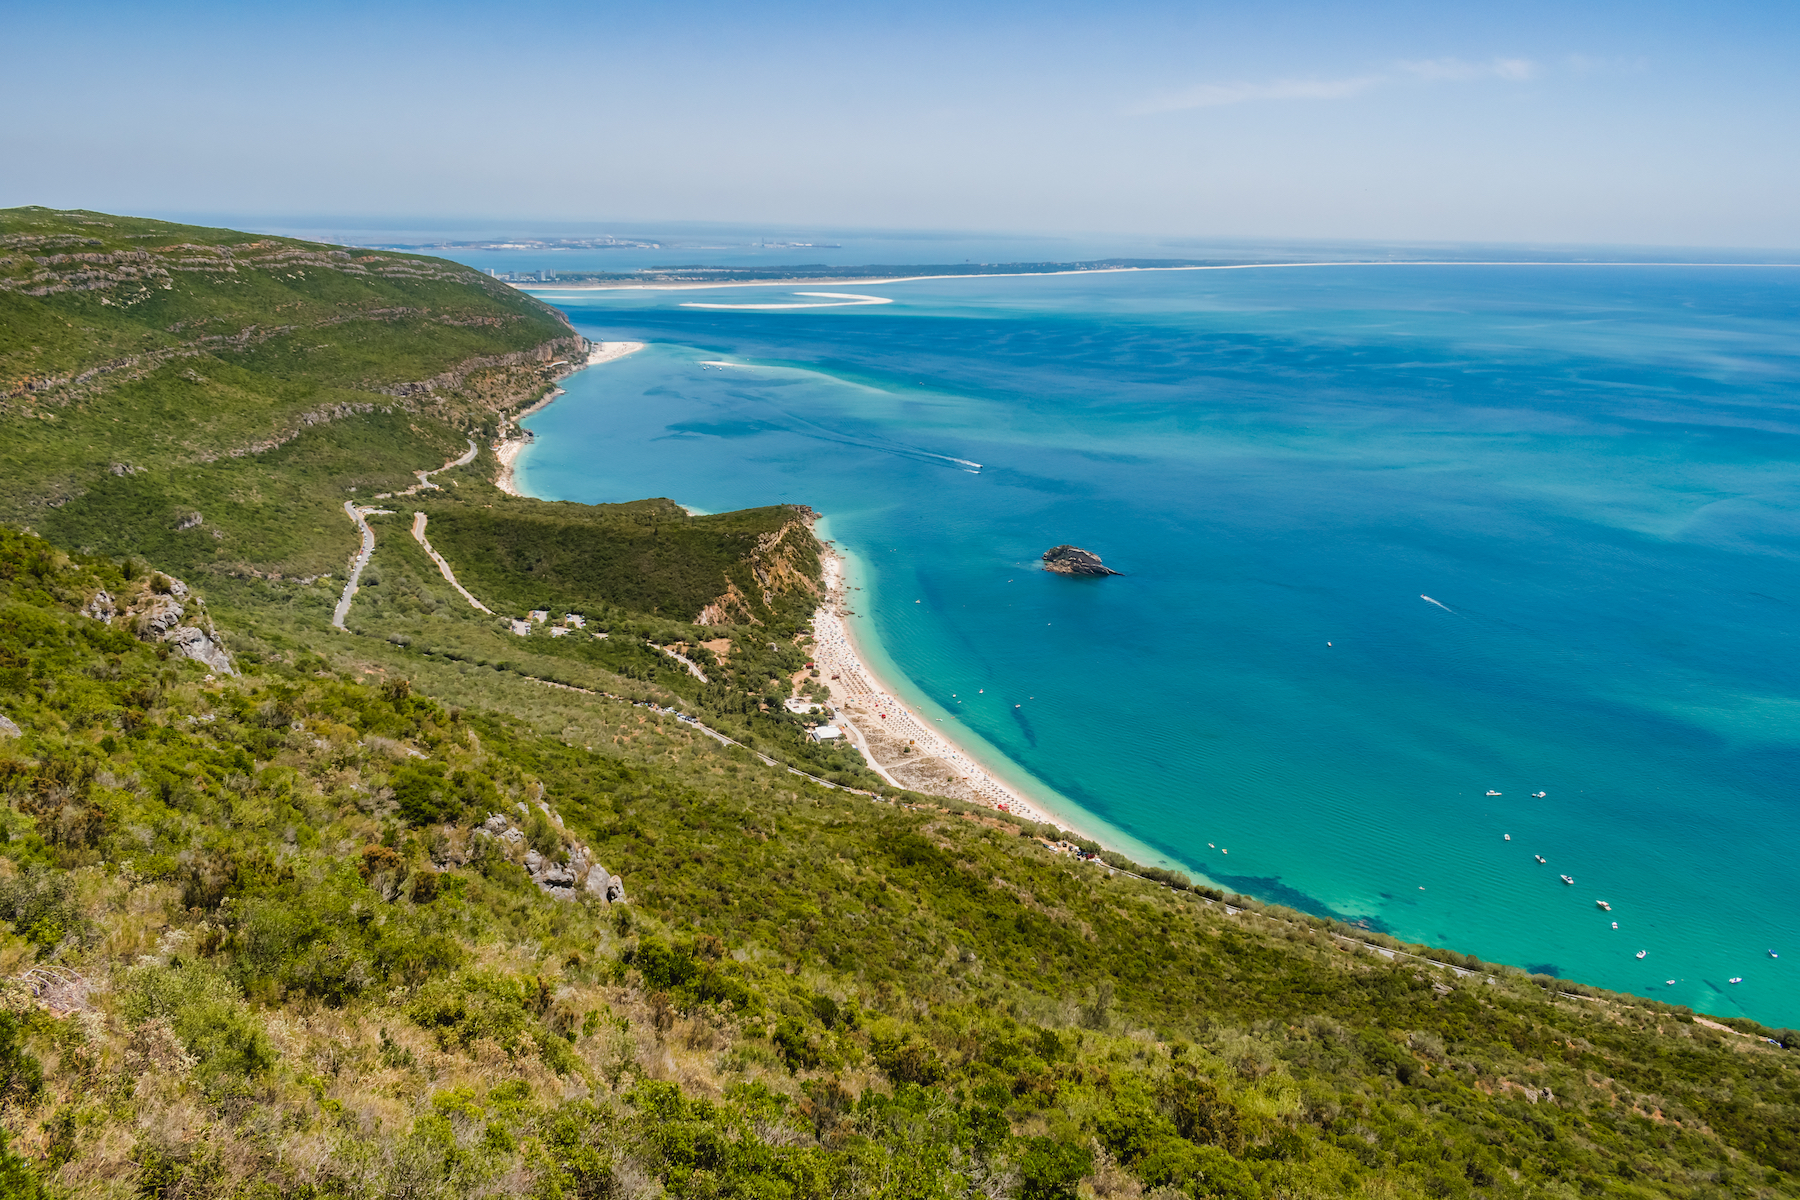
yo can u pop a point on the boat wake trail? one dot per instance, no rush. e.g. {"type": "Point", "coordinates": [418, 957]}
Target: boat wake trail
{"type": "Point", "coordinates": [794, 423]}
{"type": "Point", "coordinates": [1429, 600]}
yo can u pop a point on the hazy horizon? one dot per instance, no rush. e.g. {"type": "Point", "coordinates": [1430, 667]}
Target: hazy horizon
{"type": "Point", "coordinates": [1593, 125]}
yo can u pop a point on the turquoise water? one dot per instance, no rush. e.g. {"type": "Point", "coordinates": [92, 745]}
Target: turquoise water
{"type": "Point", "coordinates": [1590, 470]}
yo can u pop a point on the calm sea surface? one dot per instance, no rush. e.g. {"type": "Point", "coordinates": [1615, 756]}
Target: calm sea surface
{"type": "Point", "coordinates": [1592, 472]}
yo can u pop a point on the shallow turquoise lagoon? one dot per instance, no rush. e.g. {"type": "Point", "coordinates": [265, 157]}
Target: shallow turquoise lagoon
{"type": "Point", "coordinates": [1590, 471]}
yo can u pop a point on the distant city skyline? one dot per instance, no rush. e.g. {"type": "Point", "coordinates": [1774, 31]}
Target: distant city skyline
{"type": "Point", "coordinates": [1641, 124]}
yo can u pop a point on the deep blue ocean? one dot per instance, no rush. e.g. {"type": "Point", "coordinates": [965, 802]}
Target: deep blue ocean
{"type": "Point", "coordinates": [1592, 472]}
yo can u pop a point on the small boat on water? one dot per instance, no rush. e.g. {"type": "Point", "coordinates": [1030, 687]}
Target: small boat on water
{"type": "Point", "coordinates": [1566, 880]}
{"type": "Point", "coordinates": [1642, 953]}
{"type": "Point", "coordinates": [1540, 795]}
{"type": "Point", "coordinates": [1493, 793]}
{"type": "Point", "coordinates": [1540, 858]}
{"type": "Point", "coordinates": [1772, 954]}
{"type": "Point", "coordinates": [1615, 924]}
{"type": "Point", "coordinates": [1670, 982]}
{"type": "Point", "coordinates": [1735, 979]}
{"type": "Point", "coordinates": [1509, 837]}
{"type": "Point", "coordinates": [1603, 906]}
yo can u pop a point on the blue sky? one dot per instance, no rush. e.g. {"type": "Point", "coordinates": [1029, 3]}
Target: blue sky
{"type": "Point", "coordinates": [1638, 123]}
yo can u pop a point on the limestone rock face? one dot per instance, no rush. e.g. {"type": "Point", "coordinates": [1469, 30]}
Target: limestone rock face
{"type": "Point", "coordinates": [8, 729]}
{"type": "Point", "coordinates": [156, 615]}
{"type": "Point", "coordinates": [1073, 560]}
{"type": "Point", "coordinates": [199, 645]}
{"type": "Point", "coordinates": [100, 607]}
{"type": "Point", "coordinates": [159, 610]}
{"type": "Point", "coordinates": [580, 875]}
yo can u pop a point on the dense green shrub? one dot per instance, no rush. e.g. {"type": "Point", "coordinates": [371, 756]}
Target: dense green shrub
{"type": "Point", "coordinates": [1050, 1170]}
{"type": "Point", "coordinates": [471, 1005]}
{"type": "Point", "coordinates": [207, 1012]}
{"type": "Point", "coordinates": [423, 795]}
{"type": "Point", "coordinates": [21, 1075]}
{"type": "Point", "coordinates": [17, 1180]}
{"type": "Point", "coordinates": [1199, 1171]}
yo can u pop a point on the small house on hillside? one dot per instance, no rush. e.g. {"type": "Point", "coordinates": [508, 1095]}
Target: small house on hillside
{"type": "Point", "coordinates": [825, 733]}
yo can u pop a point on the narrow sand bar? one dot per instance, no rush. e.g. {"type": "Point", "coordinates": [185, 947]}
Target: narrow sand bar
{"type": "Point", "coordinates": [627, 285]}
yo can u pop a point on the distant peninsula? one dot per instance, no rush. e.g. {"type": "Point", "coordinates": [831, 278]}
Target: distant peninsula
{"type": "Point", "coordinates": [698, 273]}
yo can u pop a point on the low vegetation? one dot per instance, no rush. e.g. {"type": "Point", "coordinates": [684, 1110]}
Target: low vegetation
{"type": "Point", "coordinates": [256, 940]}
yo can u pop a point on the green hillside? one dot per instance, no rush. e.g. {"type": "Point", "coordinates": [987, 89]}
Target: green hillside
{"type": "Point", "coordinates": [424, 907]}
{"type": "Point", "coordinates": [149, 370]}
{"type": "Point", "coordinates": [209, 400]}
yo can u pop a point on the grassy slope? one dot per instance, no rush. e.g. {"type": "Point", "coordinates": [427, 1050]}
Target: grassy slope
{"type": "Point", "coordinates": [810, 994]}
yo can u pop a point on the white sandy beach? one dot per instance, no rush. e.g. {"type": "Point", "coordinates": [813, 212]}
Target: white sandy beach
{"type": "Point", "coordinates": [507, 449]}
{"type": "Point", "coordinates": [877, 715]}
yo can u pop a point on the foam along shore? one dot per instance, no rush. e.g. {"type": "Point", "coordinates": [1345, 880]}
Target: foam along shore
{"type": "Point", "coordinates": [877, 718]}
{"type": "Point", "coordinates": [508, 448]}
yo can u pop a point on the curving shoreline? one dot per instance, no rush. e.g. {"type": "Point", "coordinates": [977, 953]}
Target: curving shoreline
{"type": "Point", "coordinates": [507, 449]}
{"type": "Point", "coordinates": [875, 715]}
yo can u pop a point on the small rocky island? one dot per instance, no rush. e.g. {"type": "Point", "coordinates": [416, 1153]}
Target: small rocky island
{"type": "Point", "coordinates": [1073, 560]}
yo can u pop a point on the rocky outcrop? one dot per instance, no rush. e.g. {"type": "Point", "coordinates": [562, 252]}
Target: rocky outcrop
{"type": "Point", "coordinates": [9, 729]}
{"type": "Point", "coordinates": [100, 607]}
{"type": "Point", "coordinates": [161, 609]}
{"type": "Point", "coordinates": [1073, 560]}
{"type": "Point", "coordinates": [729, 609]}
{"type": "Point", "coordinates": [783, 560]}
{"type": "Point", "coordinates": [577, 875]}
{"type": "Point", "coordinates": [564, 352]}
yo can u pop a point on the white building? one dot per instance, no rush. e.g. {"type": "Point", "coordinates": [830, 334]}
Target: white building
{"type": "Point", "coordinates": [826, 733]}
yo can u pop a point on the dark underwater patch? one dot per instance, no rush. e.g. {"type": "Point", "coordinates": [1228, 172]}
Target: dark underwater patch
{"type": "Point", "coordinates": [1270, 890]}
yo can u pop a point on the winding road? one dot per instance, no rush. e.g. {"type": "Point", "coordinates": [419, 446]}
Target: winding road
{"type": "Point", "coordinates": [360, 561]}
{"type": "Point", "coordinates": [418, 532]}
